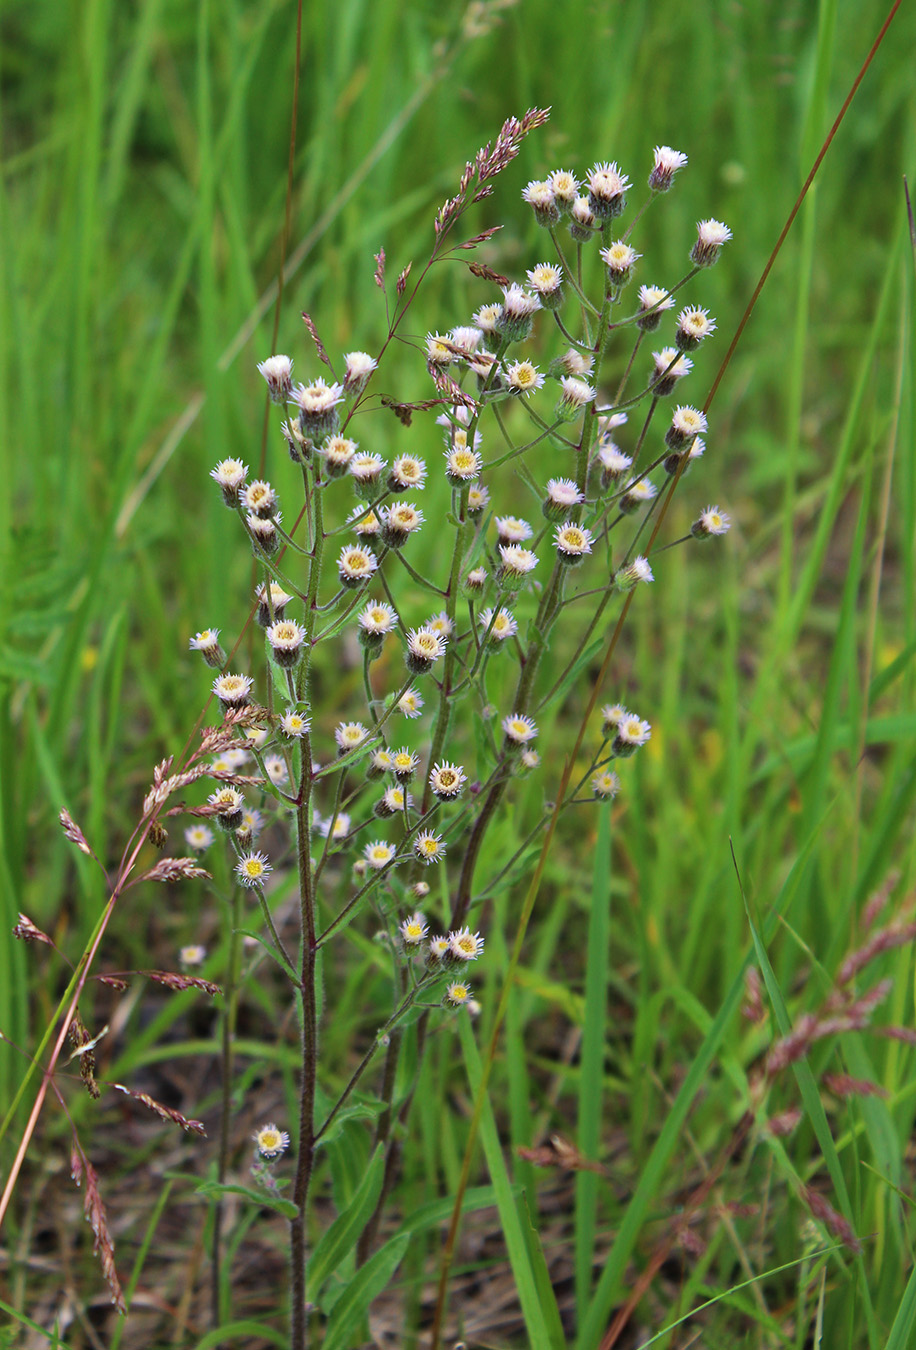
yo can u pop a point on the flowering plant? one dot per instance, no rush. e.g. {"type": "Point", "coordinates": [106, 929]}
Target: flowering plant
{"type": "Point", "coordinates": [547, 491]}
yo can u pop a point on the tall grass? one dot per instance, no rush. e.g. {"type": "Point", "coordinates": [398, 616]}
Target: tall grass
{"type": "Point", "coordinates": [144, 153]}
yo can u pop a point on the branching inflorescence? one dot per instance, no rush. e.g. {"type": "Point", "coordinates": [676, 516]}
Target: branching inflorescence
{"type": "Point", "coordinates": [560, 438]}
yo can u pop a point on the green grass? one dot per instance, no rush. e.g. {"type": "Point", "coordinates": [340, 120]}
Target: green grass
{"type": "Point", "coordinates": [141, 207]}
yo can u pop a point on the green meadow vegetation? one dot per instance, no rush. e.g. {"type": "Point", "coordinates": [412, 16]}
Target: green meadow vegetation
{"type": "Point", "coordinates": [683, 1113]}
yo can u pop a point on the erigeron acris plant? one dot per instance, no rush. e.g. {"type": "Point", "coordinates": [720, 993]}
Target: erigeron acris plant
{"type": "Point", "coordinates": [507, 582]}
{"type": "Point", "coordinates": [580, 448]}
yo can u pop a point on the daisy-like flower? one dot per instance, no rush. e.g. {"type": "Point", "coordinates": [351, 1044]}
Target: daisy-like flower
{"type": "Point", "coordinates": [667, 163]}
{"type": "Point", "coordinates": [230, 474]}
{"type": "Point", "coordinates": [446, 780]}
{"type": "Point", "coordinates": [529, 759]}
{"type": "Point", "coordinates": [355, 565]}
{"type": "Point", "coordinates": [458, 994]}
{"type": "Point", "coordinates": [518, 311]}
{"type": "Point", "coordinates": [462, 465]}
{"type": "Point", "coordinates": [612, 714]}
{"type": "Point", "coordinates": [379, 763]}
{"type": "Point", "coordinates": [253, 869]}
{"type": "Point", "coordinates": [574, 395]}
{"type": "Point", "coordinates": [539, 195]}
{"type": "Point", "coordinates": [256, 737]}
{"type": "Point", "coordinates": [497, 627]}
{"type": "Point", "coordinates": [486, 318]}
{"type": "Point", "coordinates": [582, 220]}
{"type": "Point", "coordinates": [399, 522]}
{"type": "Point", "coordinates": [406, 472]}
{"type": "Point", "coordinates": [605, 786]}
{"type": "Point", "coordinates": [366, 524]}
{"type": "Point", "coordinates": [404, 764]}
{"type": "Point", "coordinates": [337, 453]}
{"type": "Point", "coordinates": [653, 301]}
{"type": "Point", "coordinates": [512, 530]}
{"type": "Point", "coordinates": [287, 640]}
{"type": "Point", "coordinates": [271, 1142]}
{"type": "Point", "coordinates": [429, 847]}
{"type": "Point", "coordinates": [411, 703]}
{"type": "Point", "coordinates": [420, 889]}
{"type": "Point", "coordinates": [670, 367]}
{"type": "Point", "coordinates": [519, 728]}
{"type": "Point", "coordinates": [207, 643]}
{"type": "Point", "coordinates": [478, 498]}
{"type": "Point", "coordinates": [476, 579]}
{"type": "Point", "coordinates": [614, 463]}
{"type": "Point", "coordinates": [193, 955]}
{"type": "Point", "coordinates": [712, 521]}
{"type": "Point", "coordinates": [260, 499]}
{"type": "Point", "coordinates": [252, 824]}
{"type": "Point", "coordinates": [278, 372]}
{"type": "Point", "coordinates": [413, 929]}
{"type": "Point", "coordinates": [263, 532]}
{"type": "Point", "coordinates": [630, 576]}
{"type": "Point", "coordinates": [198, 837]}
{"type": "Point", "coordinates": [438, 948]}
{"type": "Point", "coordinates": [632, 732]}
{"type": "Point", "coordinates": [619, 259]}
{"type": "Point", "coordinates": [463, 945]}
{"type": "Point", "coordinates": [233, 690]}
{"type": "Point", "coordinates": [336, 829]}
{"type": "Point", "coordinates": [546, 280]}
{"type": "Point", "coordinates": [272, 601]}
{"type": "Point", "coordinates": [564, 186]}
{"type": "Point", "coordinates": [484, 365]}
{"type": "Point", "coordinates": [375, 622]}
{"type": "Point", "coordinates": [317, 403]}
{"type": "Point", "coordinates": [523, 378]}
{"type": "Point", "coordinates": [711, 235]}
{"type": "Point", "coordinates": [379, 854]}
{"type": "Point", "coordinates": [424, 648]}
{"type": "Point", "coordinates": [236, 756]}
{"type": "Point", "coordinates": [693, 325]}
{"type": "Point", "coordinates": [562, 493]}
{"type": "Point", "coordinates": [637, 494]}
{"type": "Point", "coordinates": [296, 443]}
{"type": "Point", "coordinates": [393, 803]}
{"type": "Point", "coordinates": [686, 424]}
{"type": "Point", "coordinates": [228, 802]}
{"type": "Point", "coordinates": [467, 338]}
{"type": "Point", "coordinates": [573, 542]}
{"type": "Point", "coordinates": [577, 364]}
{"type": "Point", "coordinates": [275, 767]}
{"type": "Point", "coordinates": [439, 350]}
{"type": "Point", "coordinates": [607, 188]}
{"type": "Point", "coordinates": [358, 366]}
{"type": "Point", "coordinates": [366, 471]}
{"type": "Point", "coordinates": [516, 562]}
{"type": "Point", "coordinates": [349, 736]}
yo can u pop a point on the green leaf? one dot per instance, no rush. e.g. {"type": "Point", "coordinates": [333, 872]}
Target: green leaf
{"type": "Point", "coordinates": [372, 1279]}
{"type": "Point", "coordinates": [341, 1237]}
{"type": "Point", "coordinates": [214, 1189]}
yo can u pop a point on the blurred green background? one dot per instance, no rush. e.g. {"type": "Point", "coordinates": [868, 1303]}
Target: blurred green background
{"type": "Point", "coordinates": [144, 176]}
